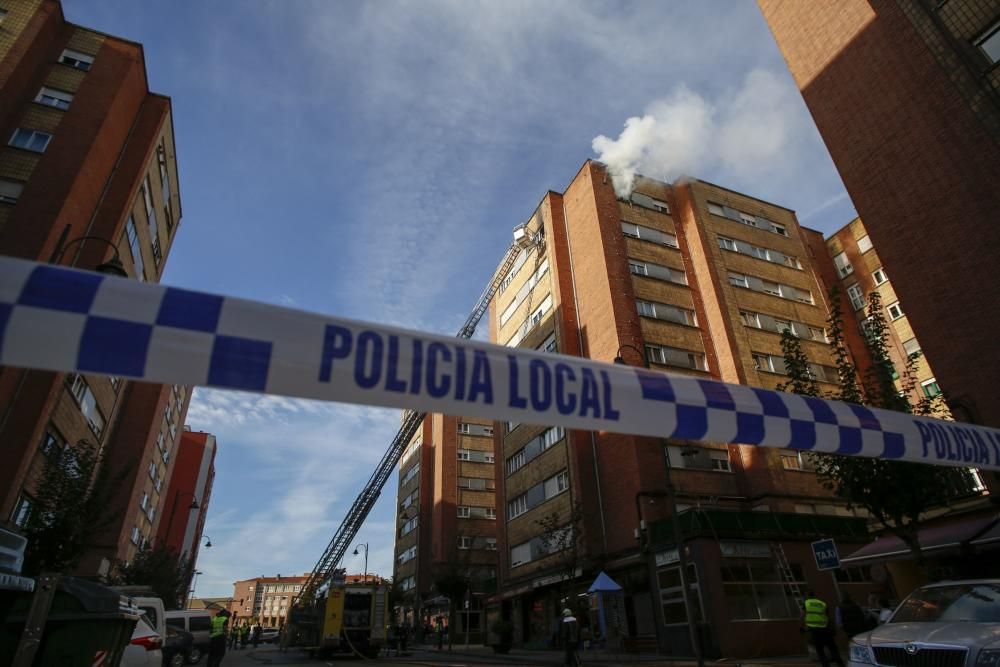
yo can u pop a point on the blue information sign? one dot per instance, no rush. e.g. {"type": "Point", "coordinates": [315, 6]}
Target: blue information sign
{"type": "Point", "coordinates": [826, 555]}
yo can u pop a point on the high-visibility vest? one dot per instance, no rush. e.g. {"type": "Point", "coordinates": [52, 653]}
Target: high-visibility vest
{"type": "Point", "coordinates": [218, 626]}
{"type": "Point", "coordinates": [816, 613]}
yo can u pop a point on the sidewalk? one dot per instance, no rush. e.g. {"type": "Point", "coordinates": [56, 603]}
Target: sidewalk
{"type": "Point", "coordinates": [485, 654]}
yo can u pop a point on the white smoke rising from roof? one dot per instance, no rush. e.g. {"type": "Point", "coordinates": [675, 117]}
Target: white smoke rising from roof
{"type": "Point", "coordinates": [684, 133]}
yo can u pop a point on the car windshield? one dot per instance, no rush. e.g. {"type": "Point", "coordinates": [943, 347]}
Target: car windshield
{"type": "Point", "coordinates": [979, 603]}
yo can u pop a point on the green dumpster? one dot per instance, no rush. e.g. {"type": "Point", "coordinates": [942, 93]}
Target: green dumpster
{"type": "Point", "coordinates": [88, 624]}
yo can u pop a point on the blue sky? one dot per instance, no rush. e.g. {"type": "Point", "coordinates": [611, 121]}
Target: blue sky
{"type": "Point", "coordinates": [369, 160]}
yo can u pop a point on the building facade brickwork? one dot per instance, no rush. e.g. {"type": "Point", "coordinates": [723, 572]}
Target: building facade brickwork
{"type": "Point", "coordinates": [916, 140]}
{"type": "Point", "coordinates": [87, 171]}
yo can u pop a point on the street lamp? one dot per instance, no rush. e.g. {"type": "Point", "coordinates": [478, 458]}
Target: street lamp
{"type": "Point", "coordinates": [671, 495]}
{"type": "Point", "coordinates": [208, 544]}
{"type": "Point", "coordinates": [113, 266]}
{"type": "Point", "coordinates": [173, 508]}
{"type": "Point", "coordinates": [365, 545]}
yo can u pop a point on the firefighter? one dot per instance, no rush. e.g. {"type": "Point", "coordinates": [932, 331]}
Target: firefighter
{"type": "Point", "coordinates": [217, 638]}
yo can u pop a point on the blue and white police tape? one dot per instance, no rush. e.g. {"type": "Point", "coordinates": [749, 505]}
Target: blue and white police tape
{"type": "Point", "coordinates": [67, 320]}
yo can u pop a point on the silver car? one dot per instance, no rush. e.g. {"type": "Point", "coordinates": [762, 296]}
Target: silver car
{"type": "Point", "coordinates": [950, 624]}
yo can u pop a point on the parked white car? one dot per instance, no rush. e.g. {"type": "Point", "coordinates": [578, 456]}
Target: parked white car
{"type": "Point", "coordinates": [949, 624]}
{"type": "Point", "coordinates": [144, 650]}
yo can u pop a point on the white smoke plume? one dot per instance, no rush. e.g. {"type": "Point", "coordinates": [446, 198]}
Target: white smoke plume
{"type": "Point", "coordinates": [684, 133]}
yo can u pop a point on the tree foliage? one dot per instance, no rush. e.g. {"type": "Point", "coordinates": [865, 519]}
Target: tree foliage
{"type": "Point", "coordinates": [895, 493]}
{"type": "Point", "coordinates": [70, 508]}
{"type": "Point", "coordinates": [160, 568]}
{"type": "Point", "coordinates": [562, 537]}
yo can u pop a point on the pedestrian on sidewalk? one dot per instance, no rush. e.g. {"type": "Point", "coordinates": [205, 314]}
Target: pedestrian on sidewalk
{"type": "Point", "coordinates": [570, 635]}
{"type": "Point", "coordinates": [440, 633]}
{"type": "Point", "coordinates": [255, 634]}
{"type": "Point", "coordinates": [821, 635]}
{"type": "Point", "coordinates": [244, 634]}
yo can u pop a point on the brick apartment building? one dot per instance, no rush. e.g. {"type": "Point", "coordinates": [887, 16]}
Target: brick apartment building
{"type": "Point", "coordinates": [88, 172]}
{"type": "Point", "coordinates": [691, 278]}
{"type": "Point", "coordinates": [859, 272]}
{"type": "Point", "coordinates": [916, 140]}
{"type": "Point", "coordinates": [189, 493]}
{"type": "Point", "coordinates": [446, 510]}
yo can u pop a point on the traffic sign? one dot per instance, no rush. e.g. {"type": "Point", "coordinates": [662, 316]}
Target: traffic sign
{"type": "Point", "coordinates": [825, 552]}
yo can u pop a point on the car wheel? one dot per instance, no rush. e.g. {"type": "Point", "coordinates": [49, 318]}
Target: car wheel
{"type": "Point", "coordinates": [176, 660]}
{"type": "Point", "coordinates": [194, 656]}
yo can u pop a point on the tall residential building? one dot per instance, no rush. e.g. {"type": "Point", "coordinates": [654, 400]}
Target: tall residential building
{"type": "Point", "coordinates": [87, 172]}
{"type": "Point", "coordinates": [446, 509]}
{"type": "Point", "coordinates": [859, 272]}
{"type": "Point", "coordinates": [689, 278]}
{"type": "Point", "coordinates": [916, 140]}
{"type": "Point", "coordinates": [187, 497]}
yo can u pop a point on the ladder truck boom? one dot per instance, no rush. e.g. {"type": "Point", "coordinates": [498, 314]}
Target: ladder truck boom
{"type": "Point", "coordinates": [363, 504]}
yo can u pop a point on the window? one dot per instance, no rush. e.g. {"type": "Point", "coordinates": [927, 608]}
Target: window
{"type": "Point", "coordinates": [768, 363]}
{"type": "Point", "coordinates": [476, 483]}
{"type": "Point", "coordinates": [491, 545]}
{"type": "Point", "coordinates": [409, 526]}
{"type": "Point", "coordinates": [520, 554]}
{"type": "Point", "coordinates": [648, 234]}
{"type": "Point", "coordinates": [779, 229]}
{"type": "Point", "coordinates": [879, 276]}
{"type": "Point", "coordinates": [488, 458]}
{"type": "Point", "coordinates": [161, 158]}
{"type": "Point", "coordinates": [144, 503]}
{"type": "Point", "coordinates": [756, 591]}
{"type": "Point", "coordinates": [670, 356]}
{"type": "Point", "coordinates": [464, 455]}
{"type": "Point", "coordinates": [663, 311]}
{"type": "Point", "coordinates": [748, 220]}
{"type": "Point", "coordinates": [87, 402]}
{"type": "Point", "coordinates": [771, 288]}
{"type": "Point", "coordinates": [795, 461]}
{"type": "Point", "coordinates": [912, 347]}
{"type": "Point", "coordinates": [10, 191]}
{"type": "Point", "coordinates": [738, 280]}
{"type": "Point", "coordinates": [548, 345]}
{"type": "Point", "coordinates": [3, 15]}
{"type": "Point", "coordinates": [895, 312]}
{"type": "Point", "coordinates": [22, 511]}
{"type": "Point", "coordinates": [648, 202]}
{"type": "Point", "coordinates": [727, 244]}
{"type": "Point", "coordinates": [720, 460]}
{"type": "Point", "coordinates": [136, 536]}
{"type": "Point", "coordinates": [30, 140]}
{"type": "Point", "coordinates": [464, 512]}
{"type": "Point", "coordinates": [517, 506]}
{"type": "Point", "coordinates": [410, 474]}
{"type": "Point", "coordinates": [715, 209]}
{"type": "Point", "coordinates": [59, 99]}
{"type": "Point", "coordinates": [989, 43]}
{"type": "Point", "coordinates": [857, 296]}
{"type": "Point", "coordinates": [76, 59]}
{"type": "Point", "coordinates": [147, 198]}
{"type": "Point", "coordinates": [152, 470]}
{"type": "Point", "coordinates": [638, 268]}
{"type": "Point", "coordinates": [534, 447]}
{"type": "Point", "coordinates": [843, 265]}
{"type": "Point", "coordinates": [864, 244]}
{"type": "Point", "coordinates": [52, 443]}
{"type": "Point", "coordinates": [464, 542]}
{"type": "Point", "coordinates": [930, 388]}
{"type": "Point", "coordinates": [491, 513]}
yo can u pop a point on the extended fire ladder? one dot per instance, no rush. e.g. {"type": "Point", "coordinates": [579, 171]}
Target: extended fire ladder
{"type": "Point", "coordinates": [411, 422]}
{"type": "Point", "coordinates": [787, 576]}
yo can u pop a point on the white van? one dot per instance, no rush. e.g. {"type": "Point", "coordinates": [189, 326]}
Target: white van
{"type": "Point", "coordinates": [199, 623]}
{"type": "Point", "coordinates": [150, 605]}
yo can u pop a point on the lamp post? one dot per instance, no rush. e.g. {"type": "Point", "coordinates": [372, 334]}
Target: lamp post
{"type": "Point", "coordinates": [208, 544]}
{"type": "Point", "coordinates": [671, 495]}
{"type": "Point", "coordinates": [173, 509]}
{"type": "Point", "coordinates": [365, 545]}
{"type": "Point", "coordinates": [113, 266]}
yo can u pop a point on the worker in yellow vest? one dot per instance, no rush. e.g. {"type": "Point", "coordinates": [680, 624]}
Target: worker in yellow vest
{"type": "Point", "coordinates": [217, 638]}
{"type": "Point", "coordinates": [817, 623]}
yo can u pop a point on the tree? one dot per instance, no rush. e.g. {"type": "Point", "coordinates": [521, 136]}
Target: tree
{"type": "Point", "coordinates": [895, 493]}
{"type": "Point", "coordinates": [160, 568]}
{"type": "Point", "coordinates": [562, 537]}
{"type": "Point", "coordinates": [452, 579]}
{"type": "Point", "coordinates": [70, 509]}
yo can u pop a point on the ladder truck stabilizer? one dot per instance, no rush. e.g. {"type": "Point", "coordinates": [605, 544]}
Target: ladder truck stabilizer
{"type": "Point", "coordinates": [306, 612]}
